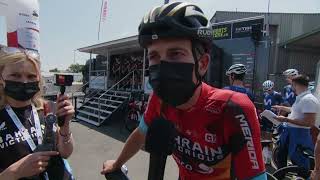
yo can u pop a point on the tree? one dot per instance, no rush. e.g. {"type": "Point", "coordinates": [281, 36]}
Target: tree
{"type": "Point", "coordinates": [75, 68]}
{"type": "Point", "coordinates": [54, 70]}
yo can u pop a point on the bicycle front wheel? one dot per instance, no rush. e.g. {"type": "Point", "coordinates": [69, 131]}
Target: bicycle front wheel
{"type": "Point", "coordinates": [292, 172]}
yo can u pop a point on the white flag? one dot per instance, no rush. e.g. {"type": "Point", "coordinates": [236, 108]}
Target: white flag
{"type": "Point", "coordinates": [104, 10]}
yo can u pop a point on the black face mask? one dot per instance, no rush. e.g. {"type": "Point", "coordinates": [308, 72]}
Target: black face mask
{"type": "Point", "coordinates": [172, 82]}
{"type": "Point", "coordinates": [21, 91]}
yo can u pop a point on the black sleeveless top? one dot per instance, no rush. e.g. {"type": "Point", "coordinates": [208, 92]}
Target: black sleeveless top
{"type": "Point", "coordinates": [13, 146]}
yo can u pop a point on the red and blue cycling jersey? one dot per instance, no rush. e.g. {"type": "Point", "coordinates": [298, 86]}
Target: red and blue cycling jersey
{"type": "Point", "coordinates": [218, 138]}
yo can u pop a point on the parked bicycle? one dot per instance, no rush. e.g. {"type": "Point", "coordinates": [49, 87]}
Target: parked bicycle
{"type": "Point", "coordinates": [291, 171]}
{"type": "Point", "coordinates": [136, 110]}
{"type": "Point", "coordinates": [120, 174]}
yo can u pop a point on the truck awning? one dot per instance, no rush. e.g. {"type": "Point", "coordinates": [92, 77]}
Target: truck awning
{"type": "Point", "coordinates": [306, 41]}
{"type": "Point", "coordinates": [118, 46]}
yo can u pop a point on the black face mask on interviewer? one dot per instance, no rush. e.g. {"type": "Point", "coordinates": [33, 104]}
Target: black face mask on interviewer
{"type": "Point", "coordinates": [172, 82]}
{"type": "Point", "coordinates": [21, 91]}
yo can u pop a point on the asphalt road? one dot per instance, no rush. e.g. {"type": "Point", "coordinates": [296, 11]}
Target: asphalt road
{"type": "Point", "coordinates": [95, 145]}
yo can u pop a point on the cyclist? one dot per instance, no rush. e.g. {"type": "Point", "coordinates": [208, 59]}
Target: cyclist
{"type": "Point", "coordinates": [236, 74]}
{"type": "Point", "coordinates": [289, 96]}
{"type": "Point", "coordinates": [271, 98]}
{"type": "Point", "coordinates": [218, 131]}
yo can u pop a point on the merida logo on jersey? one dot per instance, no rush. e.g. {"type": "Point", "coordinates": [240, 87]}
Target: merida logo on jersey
{"type": "Point", "coordinates": [194, 150]}
{"type": "Point", "coordinates": [248, 136]}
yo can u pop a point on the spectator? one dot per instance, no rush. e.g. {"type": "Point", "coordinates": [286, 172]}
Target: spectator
{"type": "Point", "coordinates": [22, 120]}
{"type": "Point", "coordinates": [301, 118]}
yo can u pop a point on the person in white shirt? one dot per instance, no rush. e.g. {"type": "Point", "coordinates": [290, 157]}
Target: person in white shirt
{"type": "Point", "coordinates": [301, 118]}
{"type": "Point", "coordinates": [316, 171]}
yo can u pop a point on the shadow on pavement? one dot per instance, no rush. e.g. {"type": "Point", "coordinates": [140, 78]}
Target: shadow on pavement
{"type": "Point", "coordinates": [114, 128]}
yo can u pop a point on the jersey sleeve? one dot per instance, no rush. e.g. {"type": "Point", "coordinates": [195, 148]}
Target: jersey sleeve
{"type": "Point", "coordinates": [143, 127]}
{"type": "Point", "coordinates": [244, 138]}
{"type": "Point", "coordinates": [152, 111]}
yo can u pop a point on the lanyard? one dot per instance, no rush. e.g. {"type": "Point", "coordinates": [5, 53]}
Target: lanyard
{"type": "Point", "coordinates": [23, 130]}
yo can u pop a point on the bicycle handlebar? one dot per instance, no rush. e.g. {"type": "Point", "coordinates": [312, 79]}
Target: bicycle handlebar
{"type": "Point", "coordinates": [120, 174]}
{"type": "Point", "coordinates": [116, 175]}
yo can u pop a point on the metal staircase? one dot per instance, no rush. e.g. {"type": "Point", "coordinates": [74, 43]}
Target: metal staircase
{"type": "Point", "coordinates": [100, 106]}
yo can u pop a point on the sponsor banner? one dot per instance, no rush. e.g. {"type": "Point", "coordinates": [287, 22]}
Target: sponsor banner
{"type": "Point", "coordinates": [236, 29]}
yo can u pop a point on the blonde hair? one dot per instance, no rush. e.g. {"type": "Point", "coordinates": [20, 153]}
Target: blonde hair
{"type": "Point", "coordinates": [6, 59]}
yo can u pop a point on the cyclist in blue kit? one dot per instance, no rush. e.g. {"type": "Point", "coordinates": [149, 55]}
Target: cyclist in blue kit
{"type": "Point", "coordinates": [288, 94]}
{"type": "Point", "coordinates": [271, 98]}
{"type": "Point", "coordinates": [236, 74]}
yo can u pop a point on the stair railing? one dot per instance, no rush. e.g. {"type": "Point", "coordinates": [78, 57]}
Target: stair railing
{"type": "Point", "coordinates": [130, 74]}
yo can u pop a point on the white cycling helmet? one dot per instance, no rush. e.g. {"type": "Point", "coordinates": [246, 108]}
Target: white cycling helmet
{"type": "Point", "coordinates": [291, 72]}
{"type": "Point", "coordinates": [236, 69]}
{"type": "Point", "coordinates": [267, 85]}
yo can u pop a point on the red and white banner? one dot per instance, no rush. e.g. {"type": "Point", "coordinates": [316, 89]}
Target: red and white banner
{"type": "Point", "coordinates": [104, 10]}
{"type": "Point", "coordinates": [22, 17]}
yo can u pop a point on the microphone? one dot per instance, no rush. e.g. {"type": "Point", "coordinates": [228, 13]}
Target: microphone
{"type": "Point", "coordinates": [49, 136]}
{"type": "Point", "coordinates": [159, 143]}
{"type": "Point", "coordinates": [49, 139]}
{"type": "Point", "coordinates": [61, 118]}
{"type": "Point", "coordinates": [63, 80]}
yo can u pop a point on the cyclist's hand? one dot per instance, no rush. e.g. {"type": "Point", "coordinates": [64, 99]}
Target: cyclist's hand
{"type": "Point", "coordinates": [281, 119]}
{"type": "Point", "coordinates": [109, 166]}
{"type": "Point", "coordinates": [279, 108]}
{"type": "Point", "coordinates": [276, 107]}
{"type": "Point", "coordinates": [32, 164]}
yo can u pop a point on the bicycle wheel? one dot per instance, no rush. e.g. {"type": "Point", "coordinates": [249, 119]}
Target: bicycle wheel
{"type": "Point", "coordinates": [271, 177]}
{"type": "Point", "coordinates": [132, 121]}
{"type": "Point", "coordinates": [292, 172]}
